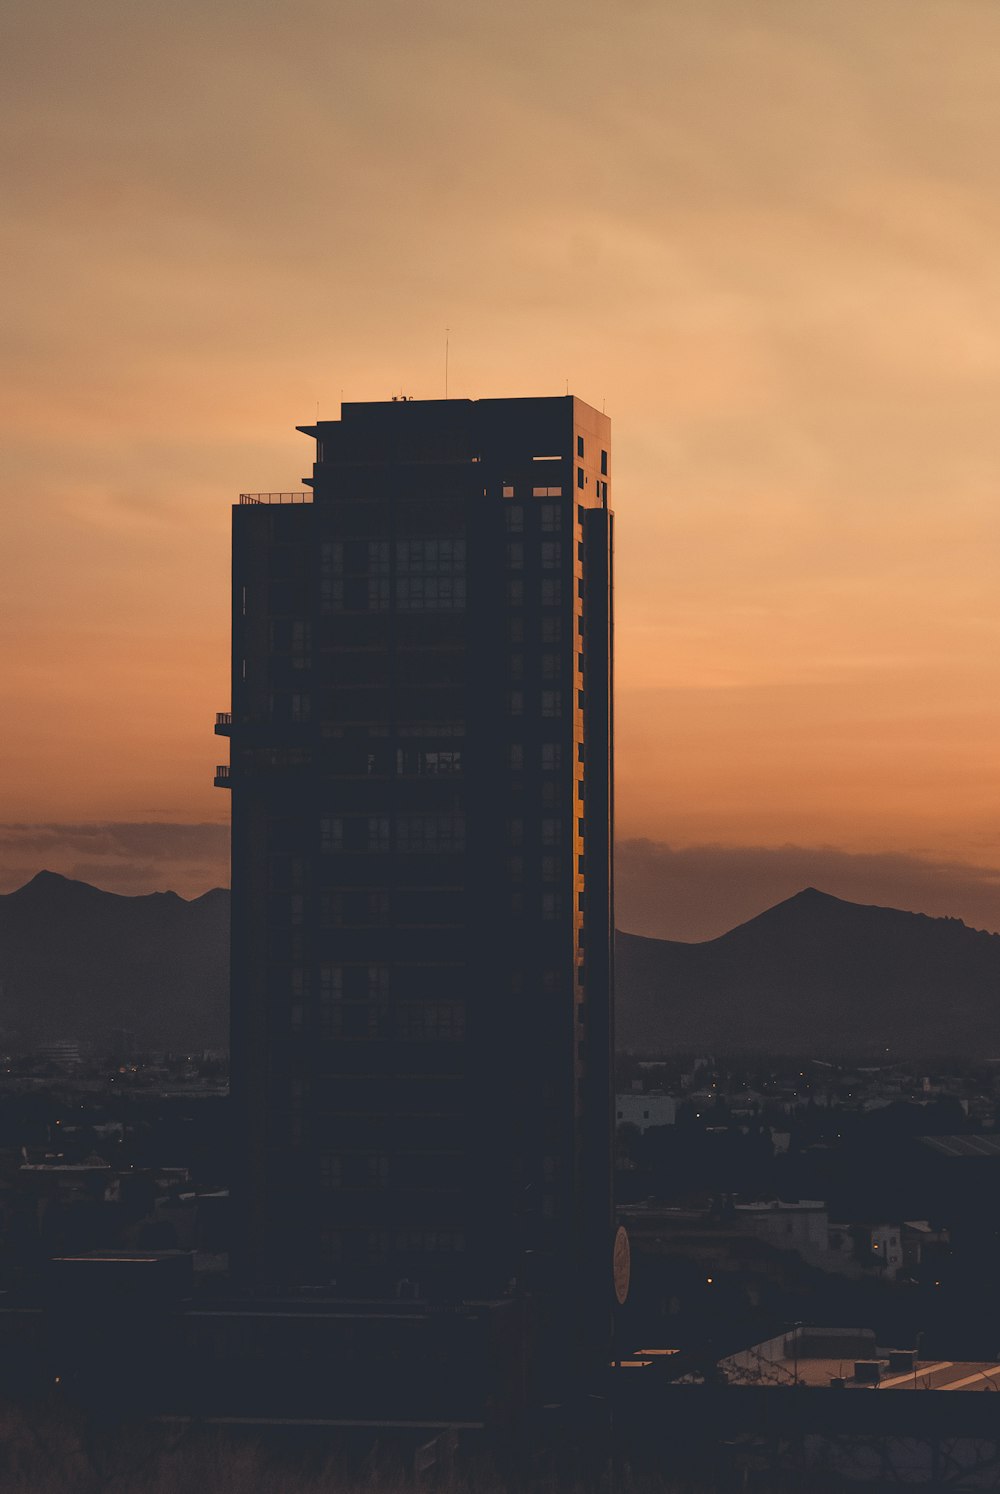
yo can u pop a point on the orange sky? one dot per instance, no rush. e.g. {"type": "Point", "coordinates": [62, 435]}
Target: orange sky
{"type": "Point", "coordinates": [767, 234]}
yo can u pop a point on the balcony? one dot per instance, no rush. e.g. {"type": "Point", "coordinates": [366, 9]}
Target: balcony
{"type": "Point", "coordinates": [222, 776]}
{"type": "Point", "coordinates": [248, 498]}
{"type": "Point", "coordinates": [223, 723]}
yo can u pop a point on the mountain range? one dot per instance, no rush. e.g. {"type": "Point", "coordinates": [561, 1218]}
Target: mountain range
{"type": "Point", "coordinates": [814, 975]}
{"type": "Point", "coordinates": [819, 976]}
{"type": "Point", "coordinates": [78, 964]}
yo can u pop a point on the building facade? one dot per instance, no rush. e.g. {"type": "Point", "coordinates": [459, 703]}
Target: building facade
{"type": "Point", "coordinates": [422, 813]}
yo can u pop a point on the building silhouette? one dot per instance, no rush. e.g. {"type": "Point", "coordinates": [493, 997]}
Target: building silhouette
{"type": "Point", "coordinates": [421, 776]}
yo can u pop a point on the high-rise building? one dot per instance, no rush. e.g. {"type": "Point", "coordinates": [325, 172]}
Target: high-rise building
{"type": "Point", "coordinates": [421, 775]}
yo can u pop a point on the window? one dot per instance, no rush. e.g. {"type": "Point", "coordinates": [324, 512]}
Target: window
{"type": "Point", "coordinates": [546, 493]}
{"type": "Point", "coordinates": [551, 553]}
{"type": "Point", "coordinates": [430, 1022]}
{"type": "Point", "coordinates": [515, 702]}
{"type": "Point", "coordinates": [551, 830]}
{"type": "Point", "coordinates": [429, 1241]}
{"type": "Point", "coordinates": [514, 518]}
{"type": "Point", "coordinates": [331, 835]}
{"type": "Point", "coordinates": [508, 490]}
{"type": "Point", "coordinates": [515, 628]}
{"type": "Point", "coordinates": [580, 790]}
{"type": "Point", "coordinates": [331, 1171]}
{"type": "Point", "coordinates": [579, 700]}
{"type": "Point", "coordinates": [430, 834]}
{"type": "Point", "coordinates": [378, 593]}
{"type": "Point", "coordinates": [515, 555]}
{"type": "Point", "coordinates": [551, 518]}
{"type": "Point", "coordinates": [579, 477]}
{"type": "Point", "coordinates": [551, 702]}
{"type": "Point", "coordinates": [515, 666]}
{"type": "Point", "coordinates": [579, 663]}
{"type": "Point", "coordinates": [354, 908]}
{"type": "Point", "coordinates": [515, 757]}
{"type": "Point", "coordinates": [551, 905]}
{"type": "Point", "coordinates": [378, 833]}
{"type": "Point", "coordinates": [430, 575]}
{"type": "Point", "coordinates": [331, 576]}
{"type": "Point", "coordinates": [515, 593]}
{"type": "Point", "coordinates": [551, 629]}
{"type": "Point", "coordinates": [301, 644]}
{"type": "Point", "coordinates": [604, 464]}
{"type": "Point", "coordinates": [515, 831]}
{"type": "Point", "coordinates": [551, 757]}
{"type": "Point", "coordinates": [439, 764]}
{"type": "Point", "coordinates": [550, 665]}
{"type": "Point", "coordinates": [551, 866]}
{"type": "Point", "coordinates": [551, 592]}
{"type": "Point", "coordinates": [579, 446]}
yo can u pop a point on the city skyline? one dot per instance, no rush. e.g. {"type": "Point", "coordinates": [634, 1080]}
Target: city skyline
{"type": "Point", "coordinates": [766, 241]}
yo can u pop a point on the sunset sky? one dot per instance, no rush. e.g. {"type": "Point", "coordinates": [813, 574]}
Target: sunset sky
{"type": "Point", "coordinates": [765, 233]}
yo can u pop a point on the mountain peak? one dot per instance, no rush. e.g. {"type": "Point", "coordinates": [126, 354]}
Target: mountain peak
{"type": "Point", "coordinates": [46, 883]}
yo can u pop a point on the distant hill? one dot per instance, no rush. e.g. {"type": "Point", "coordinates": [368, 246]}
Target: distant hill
{"type": "Point", "coordinates": [77, 963]}
{"type": "Point", "coordinates": [815, 975]}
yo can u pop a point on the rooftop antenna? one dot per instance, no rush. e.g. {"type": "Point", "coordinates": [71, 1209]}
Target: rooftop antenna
{"type": "Point", "coordinates": [447, 331]}
{"type": "Point", "coordinates": [567, 386]}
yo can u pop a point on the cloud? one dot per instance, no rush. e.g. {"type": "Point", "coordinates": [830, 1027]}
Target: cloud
{"type": "Point", "coordinates": [132, 858]}
{"type": "Point", "coordinates": [699, 892]}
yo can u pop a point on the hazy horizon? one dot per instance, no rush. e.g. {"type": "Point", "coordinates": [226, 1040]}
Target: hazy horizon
{"type": "Point", "coordinates": [688, 895]}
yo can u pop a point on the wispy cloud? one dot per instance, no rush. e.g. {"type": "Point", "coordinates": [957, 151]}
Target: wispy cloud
{"type": "Point", "coordinates": [119, 856]}
{"type": "Point", "coordinates": [698, 892]}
